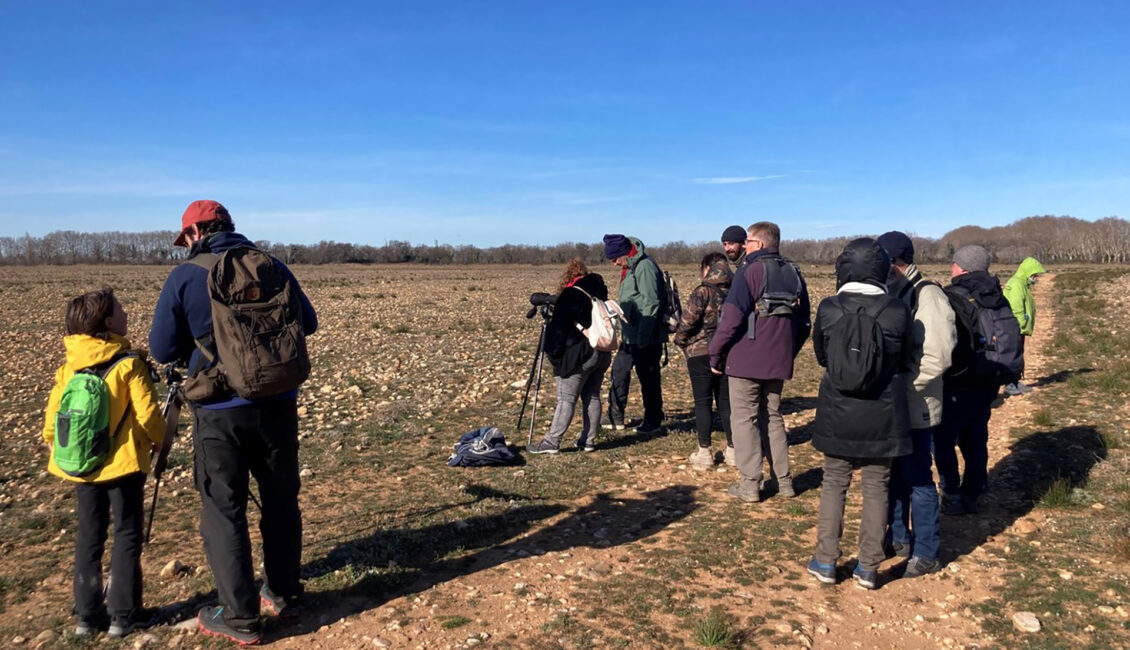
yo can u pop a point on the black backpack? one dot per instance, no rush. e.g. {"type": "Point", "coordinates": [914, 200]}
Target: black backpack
{"type": "Point", "coordinates": [780, 292]}
{"type": "Point", "coordinates": [670, 305]}
{"type": "Point", "coordinates": [856, 357]}
{"type": "Point", "coordinates": [989, 345]}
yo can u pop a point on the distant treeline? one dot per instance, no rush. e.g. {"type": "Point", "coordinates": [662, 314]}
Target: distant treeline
{"type": "Point", "coordinates": [1049, 239]}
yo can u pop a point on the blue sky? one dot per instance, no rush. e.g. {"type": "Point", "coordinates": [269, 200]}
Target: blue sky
{"type": "Point", "coordinates": [540, 122]}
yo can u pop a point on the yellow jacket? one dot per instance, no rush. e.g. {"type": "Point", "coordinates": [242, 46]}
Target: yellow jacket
{"type": "Point", "coordinates": [127, 382]}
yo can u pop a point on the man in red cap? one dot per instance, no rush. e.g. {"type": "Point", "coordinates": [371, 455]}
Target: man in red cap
{"type": "Point", "coordinates": [233, 437]}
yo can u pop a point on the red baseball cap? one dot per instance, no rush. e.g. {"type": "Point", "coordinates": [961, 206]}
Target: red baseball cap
{"type": "Point", "coordinates": [201, 211]}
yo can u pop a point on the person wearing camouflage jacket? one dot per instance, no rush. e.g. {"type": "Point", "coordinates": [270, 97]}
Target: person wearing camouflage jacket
{"type": "Point", "coordinates": [696, 328]}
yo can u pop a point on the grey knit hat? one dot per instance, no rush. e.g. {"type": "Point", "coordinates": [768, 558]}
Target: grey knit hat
{"type": "Point", "coordinates": [972, 258]}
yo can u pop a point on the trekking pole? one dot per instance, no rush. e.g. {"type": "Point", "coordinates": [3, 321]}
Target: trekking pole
{"type": "Point", "coordinates": [171, 410]}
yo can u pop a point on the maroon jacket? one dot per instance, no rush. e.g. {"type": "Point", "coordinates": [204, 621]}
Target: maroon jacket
{"type": "Point", "coordinates": [778, 338]}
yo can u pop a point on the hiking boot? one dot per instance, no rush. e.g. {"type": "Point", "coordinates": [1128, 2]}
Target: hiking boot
{"type": "Point", "coordinates": [866, 578]}
{"type": "Point", "coordinates": [702, 458]}
{"type": "Point", "coordinates": [542, 447]}
{"type": "Point", "coordinates": [1023, 388]}
{"type": "Point", "coordinates": [646, 429]}
{"type": "Point", "coordinates": [749, 495]}
{"type": "Point", "coordinates": [1012, 390]}
{"type": "Point", "coordinates": [785, 487]}
{"type": "Point", "coordinates": [211, 621]}
{"type": "Point", "coordinates": [892, 548]}
{"type": "Point", "coordinates": [917, 566]}
{"type": "Point", "coordinates": [951, 505]}
{"type": "Point", "coordinates": [728, 457]}
{"type": "Point", "coordinates": [141, 619]}
{"type": "Point", "coordinates": [970, 505]}
{"type": "Point", "coordinates": [825, 573]}
{"type": "Point", "coordinates": [273, 605]}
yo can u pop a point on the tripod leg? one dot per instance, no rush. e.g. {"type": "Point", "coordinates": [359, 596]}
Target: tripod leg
{"type": "Point", "coordinates": [537, 384]}
{"type": "Point", "coordinates": [530, 380]}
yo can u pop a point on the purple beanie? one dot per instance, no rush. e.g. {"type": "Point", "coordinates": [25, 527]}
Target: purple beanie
{"type": "Point", "coordinates": [616, 246]}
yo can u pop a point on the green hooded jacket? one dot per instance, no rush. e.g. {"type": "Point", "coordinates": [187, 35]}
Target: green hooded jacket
{"type": "Point", "coordinates": [641, 299]}
{"type": "Point", "coordinates": [1019, 294]}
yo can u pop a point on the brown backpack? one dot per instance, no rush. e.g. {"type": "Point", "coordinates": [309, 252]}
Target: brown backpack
{"type": "Point", "coordinates": [257, 331]}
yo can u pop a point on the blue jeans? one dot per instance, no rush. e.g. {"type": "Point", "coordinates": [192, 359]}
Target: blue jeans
{"type": "Point", "coordinates": [914, 499]}
{"type": "Point", "coordinates": [965, 423]}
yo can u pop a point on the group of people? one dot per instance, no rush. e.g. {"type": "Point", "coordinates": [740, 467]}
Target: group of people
{"type": "Point", "coordinates": [904, 383]}
{"type": "Point", "coordinates": [235, 437]}
{"type": "Point", "coordinates": [911, 371]}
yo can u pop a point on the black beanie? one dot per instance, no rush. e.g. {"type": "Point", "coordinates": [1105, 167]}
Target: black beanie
{"type": "Point", "coordinates": [734, 234]}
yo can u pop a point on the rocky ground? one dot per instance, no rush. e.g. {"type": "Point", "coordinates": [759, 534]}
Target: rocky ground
{"type": "Point", "coordinates": [625, 547]}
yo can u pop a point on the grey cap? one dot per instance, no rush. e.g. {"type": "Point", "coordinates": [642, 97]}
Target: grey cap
{"type": "Point", "coordinates": [972, 258]}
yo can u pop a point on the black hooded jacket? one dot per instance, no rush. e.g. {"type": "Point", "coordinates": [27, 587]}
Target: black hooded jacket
{"type": "Point", "coordinates": [876, 426]}
{"type": "Point", "coordinates": [565, 346]}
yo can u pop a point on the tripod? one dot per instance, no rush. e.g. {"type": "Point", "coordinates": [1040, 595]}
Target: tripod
{"type": "Point", "coordinates": [535, 371]}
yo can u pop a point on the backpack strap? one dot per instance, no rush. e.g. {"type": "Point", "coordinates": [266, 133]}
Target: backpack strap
{"type": "Point", "coordinates": [103, 369]}
{"type": "Point", "coordinates": [205, 343]}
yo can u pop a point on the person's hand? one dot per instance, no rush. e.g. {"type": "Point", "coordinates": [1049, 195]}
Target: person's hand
{"type": "Point", "coordinates": [715, 370]}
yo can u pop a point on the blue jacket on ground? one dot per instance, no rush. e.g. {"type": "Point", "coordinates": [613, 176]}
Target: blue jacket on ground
{"type": "Point", "coordinates": [184, 313]}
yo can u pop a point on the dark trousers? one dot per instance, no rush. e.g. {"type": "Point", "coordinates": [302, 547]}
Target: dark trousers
{"type": "Point", "coordinates": [965, 423]}
{"type": "Point", "coordinates": [94, 503]}
{"type": "Point", "coordinates": [260, 439]}
{"type": "Point", "coordinates": [645, 359]}
{"type": "Point", "coordinates": [708, 389]}
{"type": "Point", "coordinates": [914, 499]}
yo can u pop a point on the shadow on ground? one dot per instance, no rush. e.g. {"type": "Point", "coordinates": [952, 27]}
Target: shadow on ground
{"type": "Point", "coordinates": [394, 563]}
{"type": "Point", "coordinates": [1019, 480]}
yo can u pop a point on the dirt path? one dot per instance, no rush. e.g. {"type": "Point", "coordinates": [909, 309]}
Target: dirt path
{"type": "Point", "coordinates": [553, 571]}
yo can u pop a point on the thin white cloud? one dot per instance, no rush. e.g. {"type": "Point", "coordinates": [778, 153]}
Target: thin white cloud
{"type": "Point", "coordinates": [730, 180]}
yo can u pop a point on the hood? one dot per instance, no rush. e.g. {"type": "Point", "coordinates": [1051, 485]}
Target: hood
{"type": "Point", "coordinates": [84, 350]}
{"type": "Point", "coordinates": [719, 274]}
{"type": "Point", "coordinates": [863, 260]}
{"type": "Point", "coordinates": [985, 288]}
{"type": "Point", "coordinates": [1029, 267]}
{"type": "Point", "coordinates": [219, 242]}
{"type": "Point", "coordinates": [633, 259]}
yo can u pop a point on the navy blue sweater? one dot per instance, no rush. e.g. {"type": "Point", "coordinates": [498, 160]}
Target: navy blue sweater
{"type": "Point", "coordinates": [184, 313]}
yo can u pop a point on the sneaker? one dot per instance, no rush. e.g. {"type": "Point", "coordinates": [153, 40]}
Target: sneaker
{"type": "Point", "coordinates": [588, 447]}
{"type": "Point", "coordinates": [918, 566]}
{"type": "Point", "coordinates": [141, 619]}
{"type": "Point", "coordinates": [825, 573]}
{"type": "Point", "coordinates": [646, 429]}
{"type": "Point", "coordinates": [90, 626]}
{"type": "Point", "coordinates": [1012, 390]}
{"type": "Point", "coordinates": [612, 425]}
{"type": "Point", "coordinates": [748, 495]}
{"type": "Point", "coordinates": [542, 447]}
{"type": "Point", "coordinates": [951, 505]}
{"type": "Point", "coordinates": [728, 457]}
{"type": "Point", "coordinates": [211, 621]}
{"type": "Point", "coordinates": [866, 578]}
{"type": "Point", "coordinates": [892, 548]}
{"type": "Point", "coordinates": [785, 487]}
{"type": "Point", "coordinates": [273, 605]}
{"type": "Point", "coordinates": [702, 458]}
{"type": "Point", "coordinates": [1023, 388]}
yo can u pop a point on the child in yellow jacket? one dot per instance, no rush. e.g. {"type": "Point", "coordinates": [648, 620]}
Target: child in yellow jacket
{"type": "Point", "coordinates": [96, 328]}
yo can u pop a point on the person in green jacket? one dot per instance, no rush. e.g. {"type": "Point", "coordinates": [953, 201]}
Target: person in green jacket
{"type": "Point", "coordinates": [641, 297]}
{"type": "Point", "coordinates": [1018, 291]}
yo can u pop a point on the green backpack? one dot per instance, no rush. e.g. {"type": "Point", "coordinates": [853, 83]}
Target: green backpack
{"type": "Point", "coordinates": [82, 424]}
